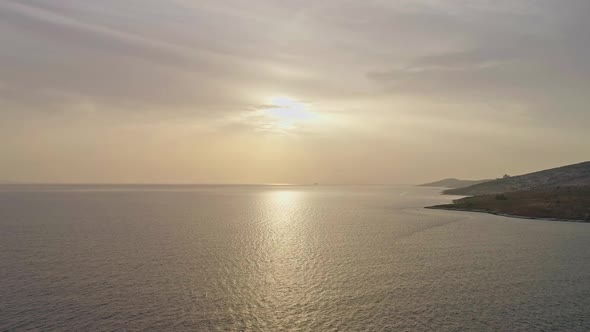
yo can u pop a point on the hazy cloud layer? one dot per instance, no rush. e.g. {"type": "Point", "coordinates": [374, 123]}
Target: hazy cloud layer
{"type": "Point", "coordinates": [175, 91]}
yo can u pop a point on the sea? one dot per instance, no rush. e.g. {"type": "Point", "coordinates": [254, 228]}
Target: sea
{"type": "Point", "coordinates": [281, 258]}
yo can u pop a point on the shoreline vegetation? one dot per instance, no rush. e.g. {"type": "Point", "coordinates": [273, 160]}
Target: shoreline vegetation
{"type": "Point", "coordinates": [561, 193]}
{"type": "Point", "coordinates": [556, 204]}
{"type": "Point", "coordinates": [438, 207]}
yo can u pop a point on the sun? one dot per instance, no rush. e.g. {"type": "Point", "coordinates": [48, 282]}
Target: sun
{"type": "Point", "coordinates": [288, 112]}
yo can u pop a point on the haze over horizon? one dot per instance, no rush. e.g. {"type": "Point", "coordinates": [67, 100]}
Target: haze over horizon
{"type": "Point", "coordinates": [267, 91]}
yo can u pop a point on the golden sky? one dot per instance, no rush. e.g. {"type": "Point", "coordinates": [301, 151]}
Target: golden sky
{"type": "Point", "coordinates": [281, 91]}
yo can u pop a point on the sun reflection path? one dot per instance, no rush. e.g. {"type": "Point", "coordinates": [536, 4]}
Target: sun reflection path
{"type": "Point", "coordinates": [286, 243]}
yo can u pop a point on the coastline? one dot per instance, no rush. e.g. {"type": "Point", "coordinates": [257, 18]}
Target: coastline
{"type": "Point", "coordinates": [448, 208]}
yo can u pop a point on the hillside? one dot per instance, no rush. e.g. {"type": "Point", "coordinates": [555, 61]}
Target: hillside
{"type": "Point", "coordinates": [571, 175]}
{"type": "Point", "coordinates": [568, 203]}
{"type": "Point", "coordinates": [452, 183]}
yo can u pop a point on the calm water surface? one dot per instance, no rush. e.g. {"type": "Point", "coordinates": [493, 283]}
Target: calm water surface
{"type": "Point", "coordinates": [233, 258]}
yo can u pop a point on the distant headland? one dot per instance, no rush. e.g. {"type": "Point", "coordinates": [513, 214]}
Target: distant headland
{"type": "Point", "coordinates": [561, 193]}
{"type": "Point", "coordinates": [453, 183]}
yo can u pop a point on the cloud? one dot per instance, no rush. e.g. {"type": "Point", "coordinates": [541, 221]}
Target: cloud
{"type": "Point", "coordinates": [69, 53]}
{"type": "Point", "coordinates": [385, 73]}
{"type": "Point", "coordinates": [531, 56]}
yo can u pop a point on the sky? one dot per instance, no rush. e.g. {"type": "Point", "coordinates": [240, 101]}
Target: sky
{"type": "Point", "coordinates": [284, 91]}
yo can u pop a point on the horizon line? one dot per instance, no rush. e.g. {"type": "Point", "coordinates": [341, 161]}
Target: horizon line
{"type": "Point", "coordinates": [192, 184]}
